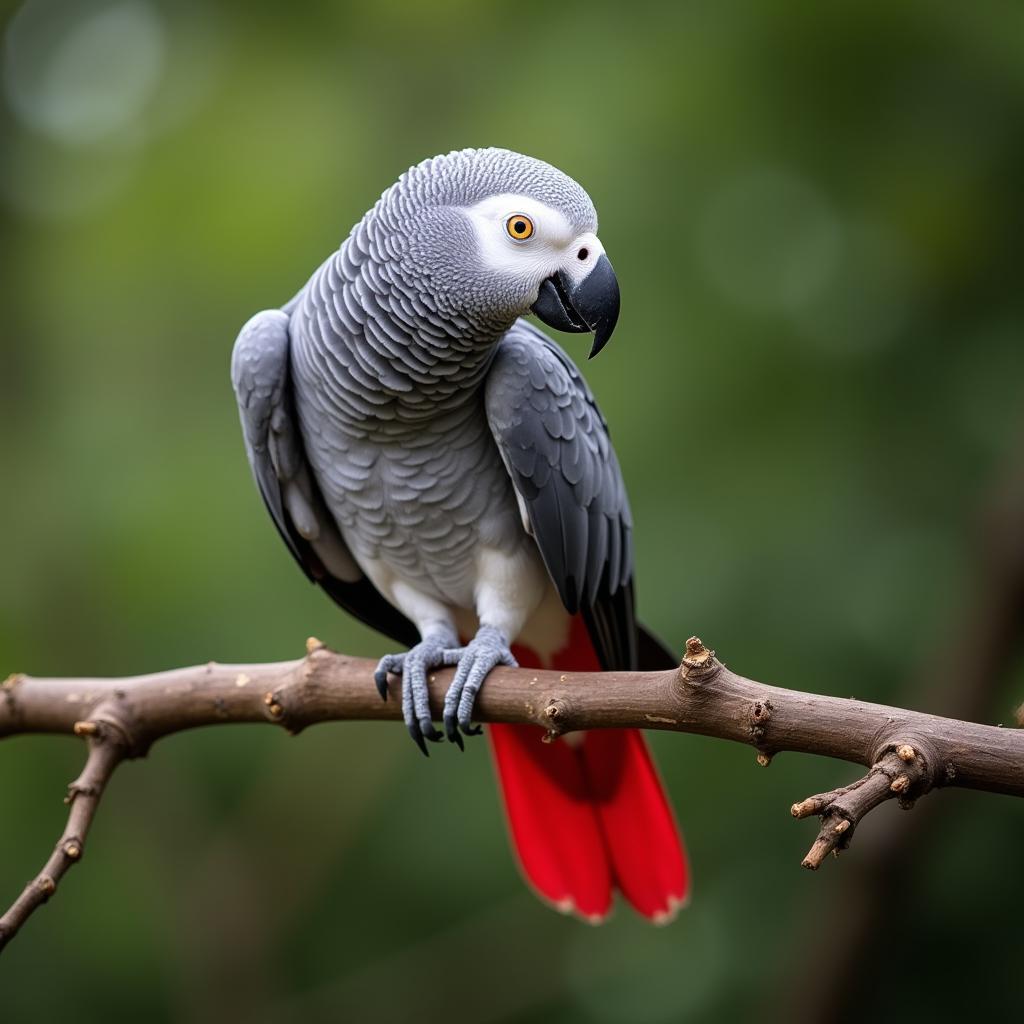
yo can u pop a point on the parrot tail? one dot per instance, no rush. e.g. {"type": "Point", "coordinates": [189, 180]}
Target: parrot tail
{"type": "Point", "coordinates": [587, 816]}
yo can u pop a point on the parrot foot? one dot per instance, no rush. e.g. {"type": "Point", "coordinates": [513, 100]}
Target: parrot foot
{"type": "Point", "coordinates": [488, 649]}
{"type": "Point", "coordinates": [413, 666]}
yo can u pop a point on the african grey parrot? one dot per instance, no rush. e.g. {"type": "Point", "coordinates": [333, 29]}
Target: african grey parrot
{"type": "Point", "coordinates": [440, 468]}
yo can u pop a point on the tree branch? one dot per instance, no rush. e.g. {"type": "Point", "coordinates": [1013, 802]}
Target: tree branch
{"type": "Point", "coordinates": [907, 753]}
{"type": "Point", "coordinates": [105, 754]}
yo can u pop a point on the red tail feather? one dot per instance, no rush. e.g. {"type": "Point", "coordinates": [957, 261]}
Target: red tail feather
{"type": "Point", "coordinates": [646, 852]}
{"type": "Point", "coordinates": [554, 828]}
{"type": "Point", "coordinates": [587, 816]}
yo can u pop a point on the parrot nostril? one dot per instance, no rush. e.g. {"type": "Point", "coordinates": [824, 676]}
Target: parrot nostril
{"type": "Point", "coordinates": [582, 254]}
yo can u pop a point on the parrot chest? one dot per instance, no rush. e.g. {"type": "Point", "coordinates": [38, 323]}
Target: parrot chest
{"type": "Point", "coordinates": [419, 505]}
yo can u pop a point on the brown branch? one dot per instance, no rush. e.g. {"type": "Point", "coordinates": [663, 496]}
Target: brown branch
{"type": "Point", "coordinates": [907, 753]}
{"type": "Point", "coordinates": [105, 753]}
{"type": "Point", "coordinates": [898, 773]}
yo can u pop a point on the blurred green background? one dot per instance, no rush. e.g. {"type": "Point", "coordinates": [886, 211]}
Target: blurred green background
{"type": "Point", "coordinates": [815, 391]}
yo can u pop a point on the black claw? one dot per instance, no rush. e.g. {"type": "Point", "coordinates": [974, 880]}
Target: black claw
{"type": "Point", "coordinates": [381, 679]}
{"type": "Point", "coordinates": [414, 732]}
{"type": "Point", "coordinates": [472, 730]}
{"type": "Point", "coordinates": [451, 730]}
{"type": "Point", "coordinates": [433, 735]}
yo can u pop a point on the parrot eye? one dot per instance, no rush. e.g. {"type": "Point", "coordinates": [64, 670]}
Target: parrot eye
{"type": "Point", "coordinates": [519, 227]}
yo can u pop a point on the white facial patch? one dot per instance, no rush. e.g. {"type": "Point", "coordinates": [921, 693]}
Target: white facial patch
{"type": "Point", "coordinates": [552, 246]}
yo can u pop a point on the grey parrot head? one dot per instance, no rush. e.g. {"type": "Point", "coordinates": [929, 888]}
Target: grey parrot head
{"type": "Point", "coordinates": [489, 235]}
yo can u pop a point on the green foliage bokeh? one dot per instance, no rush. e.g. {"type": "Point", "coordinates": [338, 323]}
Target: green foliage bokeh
{"type": "Point", "coordinates": [815, 215]}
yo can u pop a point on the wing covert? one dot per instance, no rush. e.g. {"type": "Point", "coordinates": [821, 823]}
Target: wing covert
{"type": "Point", "coordinates": [555, 446]}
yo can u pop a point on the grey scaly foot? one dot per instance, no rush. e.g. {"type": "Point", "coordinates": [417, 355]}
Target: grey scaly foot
{"type": "Point", "coordinates": [413, 667]}
{"type": "Point", "coordinates": [485, 651]}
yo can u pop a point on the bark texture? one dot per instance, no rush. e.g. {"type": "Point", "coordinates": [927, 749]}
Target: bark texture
{"type": "Point", "coordinates": [906, 753]}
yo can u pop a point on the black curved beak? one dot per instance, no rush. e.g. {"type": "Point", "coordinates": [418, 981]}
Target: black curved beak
{"type": "Point", "coordinates": [592, 305]}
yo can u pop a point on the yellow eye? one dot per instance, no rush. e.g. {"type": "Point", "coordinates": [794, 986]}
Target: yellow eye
{"type": "Point", "coordinates": [519, 227]}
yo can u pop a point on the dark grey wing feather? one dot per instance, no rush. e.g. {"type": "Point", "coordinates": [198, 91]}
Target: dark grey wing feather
{"type": "Point", "coordinates": [556, 447]}
{"type": "Point", "coordinates": [261, 379]}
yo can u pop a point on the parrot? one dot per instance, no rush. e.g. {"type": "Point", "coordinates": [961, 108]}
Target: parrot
{"type": "Point", "coordinates": [438, 465]}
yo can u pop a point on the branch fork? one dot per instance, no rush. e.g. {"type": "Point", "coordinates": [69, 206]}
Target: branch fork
{"type": "Point", "coordinates": [901, 773]}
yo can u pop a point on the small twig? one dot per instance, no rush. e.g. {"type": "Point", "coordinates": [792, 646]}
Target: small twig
{"type": "Point", "coordinates": [901, 773]}
{"type": "Point", "coordinates": [907, 753]}
{"type": "Point", "coordinates": [105, 753]}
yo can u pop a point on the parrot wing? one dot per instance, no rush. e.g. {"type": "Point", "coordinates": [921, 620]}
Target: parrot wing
{"type": "Point", "coordinates": [555, 445]}
{"type": "Point", "coordinates": [260, 375]}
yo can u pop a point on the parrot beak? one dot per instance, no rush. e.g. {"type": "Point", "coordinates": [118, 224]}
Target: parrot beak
{"type": "Point", "coordinates": [591, 305]}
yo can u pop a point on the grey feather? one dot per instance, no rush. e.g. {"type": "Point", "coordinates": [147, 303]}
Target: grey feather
{"type": "Point", "coordinates": [555, 445]}
{"type": "Point", "coordinates": [260, 377]}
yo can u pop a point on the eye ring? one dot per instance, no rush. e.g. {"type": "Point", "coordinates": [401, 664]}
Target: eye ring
{"type": "Point", "coordinates": [519, 227]}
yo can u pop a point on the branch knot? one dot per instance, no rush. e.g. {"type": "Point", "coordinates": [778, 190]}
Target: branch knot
{"type": "Point", "coordinates": [554, 718]}
{"type": "Point", "coordinates": [699, 664]}
{"type": "Point", "coordinates": [760, 716]}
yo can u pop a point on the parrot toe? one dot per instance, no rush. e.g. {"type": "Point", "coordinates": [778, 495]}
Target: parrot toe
{"type": "Point", "coordinates": [488, 649]}
{"type": "Point", "coordinates": [390, 663]}
{"type": "Point", "coordinates": [413, 667]}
